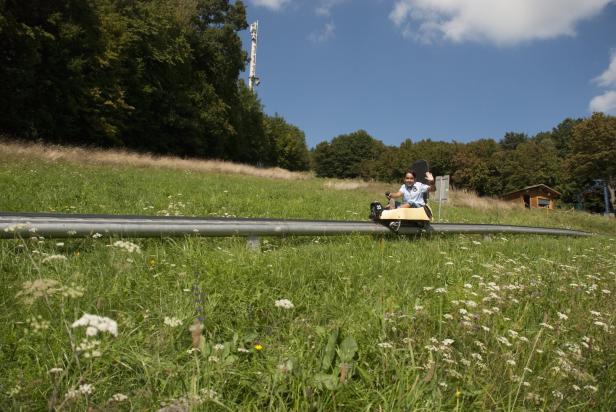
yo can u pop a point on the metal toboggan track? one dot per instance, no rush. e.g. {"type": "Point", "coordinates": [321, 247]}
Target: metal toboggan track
{"type": "Point", "coordinates": [56, 225]}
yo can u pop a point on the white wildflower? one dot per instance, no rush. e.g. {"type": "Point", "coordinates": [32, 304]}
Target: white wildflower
{"type": "Point", "coordinates": [448, 342]}
{"type": "Point", "coordinates": [562, 316]}
{"type": "Point", "coordinates": [219, 346]}
{"type": "Point", "coordinates": [475, 242]}
{"type": "Point", "coordinates": [468, 286]}
{"type": "Point", "coordinates": [511, 362]}
{"type": "Point", "coordinates": [96, 236]}
{"type": "Point", "coordinates": [119, 397]}
{"type": "Point", "coordinates": [606, 291]}
{"type": "Point", "coordinates": [503, 340]}
{"type": "Point", "coordinates": [86, 389]}
{"type": "Point", "coordinates": [172, 321]}
{"type": "Point", "coordinates": [101, 323]}
{"type": "Point", "coordinates": [591, 388]}
{"type": "Point", "coordinates": [284, 304]}
{"type": "Point", "coordinates": [52, 258]}
{"type": "Point", "coordinates": [546, 325]}
{"type": "Point", "coordinates": [440, 290]}
{"type": "Point", "coordinates": [447, 316]}
{"type": "Point", "coordinates": [128, 246]}
{"type": "Point", "coordinates": [55, 370]}
{"type": "Point", "coordinates": [385, 345]}
{"type": "Point", "coordinates": [213, 359]}
{"type": "Point", "coordinates": [243, 350]}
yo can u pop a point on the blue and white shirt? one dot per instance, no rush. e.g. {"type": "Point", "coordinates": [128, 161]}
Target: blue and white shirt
{"type": "Point", "coordinates": [414, 193]}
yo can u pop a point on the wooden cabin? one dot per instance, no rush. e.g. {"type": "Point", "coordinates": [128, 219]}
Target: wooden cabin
{"type": "Point", "coordinates": [537, 196]}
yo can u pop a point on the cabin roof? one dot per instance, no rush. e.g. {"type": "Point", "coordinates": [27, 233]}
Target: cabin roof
{"type": "Point", "coordinates": [542, 186]}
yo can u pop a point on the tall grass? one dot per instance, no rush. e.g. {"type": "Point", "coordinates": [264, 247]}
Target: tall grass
{"type": "Point", "coordinates": [313, 323]}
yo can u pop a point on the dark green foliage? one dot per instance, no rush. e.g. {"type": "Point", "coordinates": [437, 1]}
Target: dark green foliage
{"type": "Point", "coordinates": [593, 153]}
{"type": "Point", "coordinates": [290, 142]}
{"type": "Point", "coordinates": [159, 76]}
{"type": "Point", "coordinates": [347, 156]}
{"type": "Point", "coordinates": [511, 140]}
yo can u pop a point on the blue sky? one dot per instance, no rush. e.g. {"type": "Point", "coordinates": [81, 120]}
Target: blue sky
{"type": "Point", "coordinates": [440, 69]}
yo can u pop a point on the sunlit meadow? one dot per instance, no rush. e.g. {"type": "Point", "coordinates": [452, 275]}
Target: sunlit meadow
{"type": "Point", "coordinates": [505, 322]}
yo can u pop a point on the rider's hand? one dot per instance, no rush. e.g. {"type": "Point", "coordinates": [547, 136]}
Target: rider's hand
{"type": "Point", "coordinates": [429, 177]}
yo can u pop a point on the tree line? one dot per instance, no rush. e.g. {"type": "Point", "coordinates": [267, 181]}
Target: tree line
{"type": "Point", "coordinates": [568, 158]}
{"type": "Point", "coordinates": [160, 76]}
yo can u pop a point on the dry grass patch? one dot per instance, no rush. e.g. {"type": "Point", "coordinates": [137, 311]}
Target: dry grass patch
{"type": "Point", "coordinates": [465, 198]}
{"type": "Point", "coordinates": [79, 155]}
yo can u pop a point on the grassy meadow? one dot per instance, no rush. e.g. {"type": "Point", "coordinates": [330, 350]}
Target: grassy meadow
{"type": "Point", "coordinates": [458, 322]}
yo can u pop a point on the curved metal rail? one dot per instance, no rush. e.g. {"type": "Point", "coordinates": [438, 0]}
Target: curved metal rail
{"type": "Point", "coordinates": [73, 226]}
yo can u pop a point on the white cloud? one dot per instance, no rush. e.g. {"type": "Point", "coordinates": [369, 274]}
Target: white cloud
{"type": "Point", "coordinates": [605, 103]}
{"type": "Point", "coordinates": [503, 22]}
{"type": "Point", "coordinates": [270, 4]}
{"type": "Point", "coordinates": [325, 34]}
{"type": "Point", "coordinates": [608, 77]}
{"type": "Point", "coordinates": [325, 7]}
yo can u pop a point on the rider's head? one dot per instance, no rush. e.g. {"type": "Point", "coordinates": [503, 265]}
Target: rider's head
{"type": "Point", "coordinates": [409, 178]}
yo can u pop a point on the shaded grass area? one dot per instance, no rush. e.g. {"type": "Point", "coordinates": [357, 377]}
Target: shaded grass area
{"type": "Point", "coordinates": [445, 322]}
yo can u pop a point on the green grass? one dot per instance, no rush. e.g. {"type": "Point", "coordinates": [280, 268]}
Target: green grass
{"type": "Point", "coordinates": [531, 318]}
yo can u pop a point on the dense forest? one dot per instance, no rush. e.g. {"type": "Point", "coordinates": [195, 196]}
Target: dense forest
{"type": "Point", "coordinates": [163, 76]}
{"type": "Point", "coordinates": [160, 76]}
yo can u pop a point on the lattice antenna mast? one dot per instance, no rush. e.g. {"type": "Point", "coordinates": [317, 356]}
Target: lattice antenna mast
{"type": "Point", "coordinates": [253, 80]}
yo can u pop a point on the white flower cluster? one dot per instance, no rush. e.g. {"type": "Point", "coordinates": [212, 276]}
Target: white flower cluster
{"type": "Point", "coordinates": [95, 324]}
{"type": "Point", "coordinates": [52, 258]}
{"type": "Point", "coordinates": [85, 389]}
{"type": "Point", "coordinates": [284, 304]}
{"type": "Point", "coordinates": [128, 246]}
{"type": "Point", "coordinates": [173, 322]}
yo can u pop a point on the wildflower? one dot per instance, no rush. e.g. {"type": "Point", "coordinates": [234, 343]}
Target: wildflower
{"type": "Point", "coordinates": [243, 350]}
{"type": "Point", "coordinates": [219, 346]}
{"type": "Point", "coordinates": [213, 359]}
{"type": "Point", "coordinates": [119, 397]}
{"type": "Point", "coordinates": [503, 340]}
{"type": "Point", "coordinates": [258, 347]}
{"type": "Point", "coordinates": [546, 325]}
{"type": "Point", "coordinates": [100, 323]}
{"type": "Point", "coordinates": [449, 263]}
{"type": "Point", "coordinates": [51, 258]}
{"type": "Point", "coordinates": [595, 313]}
{"type": "Point", "coordinates": [55, 370]}
{"type": "Point", "coordinates": [427, 288]}
{"type": "Point", "coordinates": [562, 316]}
{"type": "Point", "coordinates": [284, 304]}
{"type": "Point", "coordinates": [60, 244]}
{"type": "Point", "coordinates": [576, 388]}
{"type": "Point", "coordinates": [128, 246]}
{"type": "Point", "coordinates": [602, 324]}
{"type": "Point", "coordinates": [468, 286]}
{"type": "Point", "coordinates": [475, 242]}
{"type": "Point", "coordinates": [440, 290]}
{"type": "Point", "coordinates": [385, 345]}
{"type": "Point", "coordinates": [606, 291]}
{"type": "Point", "coordinates": [172, 322]}
{"type": "Point", "coordinates": [86, 389]}
{"type": "Point", "coordinates": [510, 362]}
{"type": "Point", "coordinates": [96, 236]}
{"type": "Point", "coordinates": [447, 316]}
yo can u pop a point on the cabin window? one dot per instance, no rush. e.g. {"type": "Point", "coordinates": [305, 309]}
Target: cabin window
{"type": "Point", "coordinates": [543, 202]}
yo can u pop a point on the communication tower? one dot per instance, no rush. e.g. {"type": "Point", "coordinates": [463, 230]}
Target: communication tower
{"type": "Point", "coordinates": [253, 80]}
